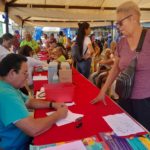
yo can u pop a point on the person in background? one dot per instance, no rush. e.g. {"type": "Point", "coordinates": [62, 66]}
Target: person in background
{"type": "Point", "coordinates": [108, 58]}
{"type": "Point", "coordinates": [58, 54]}
{"type": "Point", "coordinates": [16, 41]}
{"type": "Point", "coordinates": [105, 46]}
{"type": "Point", "coordinates": [50, 50]}
{"type": "Point", "coordinates": [68, 44]}
{"type": "Point", "coordinates": [47, 47]}
{"type": "Point", "coordinates": [128, 22]}
{"type": "Point", "coordinates": [65, 39]}
{"type": "Point", "coordinates": [92, 38]}
{"type": "Point", "coordinates": [52, 39]}
{"type": "Point", "coordinates": [98, 41]}
{"type": "Point", "coordinates": [30, 42]}
{"type": "Point", "coordinates": [53, 45]}
{"type": "Point", "coordinates": [65, 52]}
{"type": "Point", "coordinates": [97, 57]}
{"type": "Point", "coordinates": [102, 69]}
{"type": "Point", "coordinates": [61, 38]}
{"type": "Point", "coordinates": [86, 49]}
{"type": "Point", "coordinates": [95, 54]}
{"type": "Point", "coordinates": [40, 43]}
{"type": "Point", "coordinates": [109, 39]}
{"type": "Point", "coordinates": [16, 33]}
{"type": "Point", "coordinates": [113, 46]}
{"type": "Point", "coordinates": [32, 62]}
{"type": "Point", "coordinates": [16, 125]}
{"type": "Point", "coordinates": [7, 41]}
{"type": "Point", "coordinates": [45, 39]}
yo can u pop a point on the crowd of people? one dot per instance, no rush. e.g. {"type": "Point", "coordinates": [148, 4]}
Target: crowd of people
{"type": "Point", "coordinates": [101, 63]}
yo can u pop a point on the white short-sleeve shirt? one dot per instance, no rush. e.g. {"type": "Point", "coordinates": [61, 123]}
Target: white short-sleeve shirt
{"type": "Point", "coordinates": [86, 42]}
{"type": "Point", "coordinates": [32, 62]}
{"type": "Point", "coordinates": [3, 52]}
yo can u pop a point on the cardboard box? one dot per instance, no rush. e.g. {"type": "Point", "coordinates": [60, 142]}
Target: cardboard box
{"type": "Point", "coordinates": [65, 75]}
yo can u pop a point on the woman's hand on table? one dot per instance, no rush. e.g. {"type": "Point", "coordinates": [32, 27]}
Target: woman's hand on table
{"type": "Point", "coordinates": [100, 97]}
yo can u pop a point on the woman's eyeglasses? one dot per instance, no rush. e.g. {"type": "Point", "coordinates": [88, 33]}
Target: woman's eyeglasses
{"type": "Point", "coordinates": [120, 23]}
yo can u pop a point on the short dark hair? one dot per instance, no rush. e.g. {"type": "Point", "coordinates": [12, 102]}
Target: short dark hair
{"type": "Point", "coordinates": [61, 33]}
{"type": "Point", "coordinates": [92, 35]}
{"type": "Point", "coordinates": [52, 34]}
{"type": "Point", "coordinates": [7, 36]}
{"type": "Point", "coordinates": [25, 50]}
{"type": "Point", "coordinates": [11, 61]}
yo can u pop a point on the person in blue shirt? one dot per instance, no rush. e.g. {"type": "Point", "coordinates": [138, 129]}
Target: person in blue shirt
{"type": "Point", "coordinates": [16, 125]}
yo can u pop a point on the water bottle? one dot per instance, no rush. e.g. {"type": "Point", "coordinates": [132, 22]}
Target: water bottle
{"type": "Point", "coordinates": [52, 70]}
{"type": "Point", "coordinates": [55, 78]}
{"type": "Point", "coordinates": [50, 74]}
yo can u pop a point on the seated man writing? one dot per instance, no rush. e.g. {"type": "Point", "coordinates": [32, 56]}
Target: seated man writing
{"type": "Point", "coordinates": [16, 125]}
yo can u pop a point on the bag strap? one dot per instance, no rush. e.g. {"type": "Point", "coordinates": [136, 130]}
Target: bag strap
{"type": "Point", "coordinates": [141, 41]}
{"type": "Point", "coordinates": [85, 51]}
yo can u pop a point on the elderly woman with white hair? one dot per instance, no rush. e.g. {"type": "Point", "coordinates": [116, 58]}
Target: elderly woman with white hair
{"type": "Point", "coordinates": [138, 104]}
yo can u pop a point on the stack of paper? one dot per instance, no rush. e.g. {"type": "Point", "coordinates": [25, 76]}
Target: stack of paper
{"type": "Point", "coordinates": [71, 117]}
{"type": "Point", "coordinates": [122, 124]}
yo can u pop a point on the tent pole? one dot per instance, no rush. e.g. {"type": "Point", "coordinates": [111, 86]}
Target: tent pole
{"type": "Point", "coordinates": [112, 25]}
{"type": "Point", "coordinates": [22, 28]}
{"type": "Point", "coordinates": [6, 18]}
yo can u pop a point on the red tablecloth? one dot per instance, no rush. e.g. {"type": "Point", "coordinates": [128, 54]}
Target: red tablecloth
{"type": "Point", "coordinates": [93, 122]}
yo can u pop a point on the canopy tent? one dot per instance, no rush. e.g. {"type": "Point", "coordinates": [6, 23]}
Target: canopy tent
{"type": "Point", "coordinates": [66, 13]}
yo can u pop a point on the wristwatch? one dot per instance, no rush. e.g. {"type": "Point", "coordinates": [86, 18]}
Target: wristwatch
{"type": "Point", "coordinates": [51, 104]}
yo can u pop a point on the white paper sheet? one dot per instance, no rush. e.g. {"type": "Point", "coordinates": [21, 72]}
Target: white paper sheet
{"type": "Point", "coordinates": [122, 124]}
{"type": "Point", "coordinates": [76, 145]}
{"type": "Point", "coordinates": [70, 104]}
{"type": "Point", "coordinates": [38, 78]}
{"type": "Point", "coordinates": [71, 117]}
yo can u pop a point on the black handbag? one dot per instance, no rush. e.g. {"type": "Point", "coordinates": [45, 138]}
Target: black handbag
{"type": "Point", "coordinates": [125, 80]}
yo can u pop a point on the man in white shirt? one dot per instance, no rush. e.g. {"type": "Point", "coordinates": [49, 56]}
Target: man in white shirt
{"type": "Point", "coordinates": [6, 44]}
